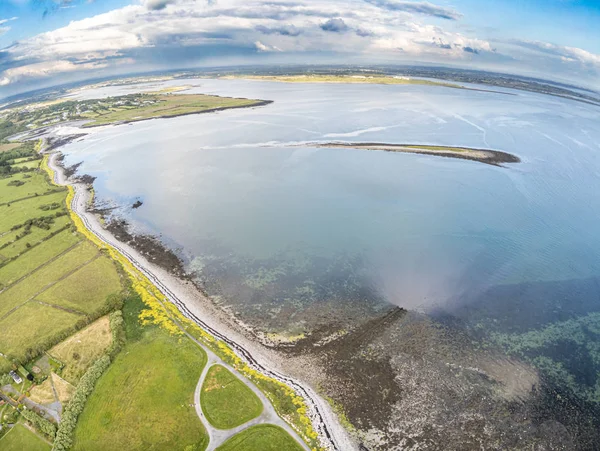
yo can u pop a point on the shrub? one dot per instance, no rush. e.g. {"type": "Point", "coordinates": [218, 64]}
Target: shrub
{"type": "Point", "coordinates": [41, 424]}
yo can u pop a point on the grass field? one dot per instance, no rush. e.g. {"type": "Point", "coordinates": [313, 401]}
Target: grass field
{"type": "Point", "coordinates": [78, 352]}
{"type": "Point", "coordinates": [5, 365]}
{"type": "Point", "coordinates": [33, 182]}
{"type": "Point", "coordinates": [168, 106]}
{"type": "Point", "coordinates": [44, 277]}
{"type": "Point", "coordinates": [38, 256]}
{"type": "Point", "coordinates": [27, 164]}
{"type": "Point", "coordinates": [263, 437]}
{"type": "Point", "coordinates": [37, 235]}
{"type": "Point", "coordinates": [87, 289]}
{"type": "Point", "coordinates": [30, 325]}
{"type": "Point", "coordinates": [12, 214]}
{"type": "Point", "coordinates": [19, 438]}
{"type": "Point", "coordinates": [145, 399]}
{"type": "Point", "coordinates": [226, 401]}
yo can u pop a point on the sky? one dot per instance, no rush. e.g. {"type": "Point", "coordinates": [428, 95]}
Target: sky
{"type": "Point", "coordinates": [46, 42]}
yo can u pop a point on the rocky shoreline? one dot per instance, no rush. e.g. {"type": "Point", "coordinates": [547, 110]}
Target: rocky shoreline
{"type": "Point", "coordinates": [195, 305]}
{"type": "Point", "coordinates": [397, 379]}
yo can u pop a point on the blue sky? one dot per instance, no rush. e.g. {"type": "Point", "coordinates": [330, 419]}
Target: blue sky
{"type": "Point", "coordinates": [46, 41]}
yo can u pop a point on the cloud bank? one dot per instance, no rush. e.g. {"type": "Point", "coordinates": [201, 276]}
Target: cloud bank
{"type": "Point", "coordinates": [186, 33]}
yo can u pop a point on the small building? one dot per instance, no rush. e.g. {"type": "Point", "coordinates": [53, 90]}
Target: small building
{"type": "Point", "coordinates": [15, 377]}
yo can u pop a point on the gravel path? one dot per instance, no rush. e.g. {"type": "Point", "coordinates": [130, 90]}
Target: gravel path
{"type": "Point", "coordinates": [268, 415]}
{"type": "Point", "coordinates": [332, 435]}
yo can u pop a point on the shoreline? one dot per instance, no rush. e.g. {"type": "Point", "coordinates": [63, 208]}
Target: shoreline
{"type": "Point", "coordinates": [165, 116]}
{"type": "Point", "coordinates": [193, 304]}
{"type": "Point", "coordinates": [486, 156]}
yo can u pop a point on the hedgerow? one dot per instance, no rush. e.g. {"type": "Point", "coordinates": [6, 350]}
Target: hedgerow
{"type": "Point", "coordinates": [41, 424]}
{"type": "Point", "coordinates": [64, 435]}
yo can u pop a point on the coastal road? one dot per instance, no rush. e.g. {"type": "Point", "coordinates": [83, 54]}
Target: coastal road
{"type": "Point", "coordinates": [331, 434]}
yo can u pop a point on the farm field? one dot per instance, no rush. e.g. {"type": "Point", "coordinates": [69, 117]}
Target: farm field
{"type": "Point", "coordinates": [79, 351]}
{"type": "Point", "coordinates": [52, 281]}
{"type": "Point", "coordinates": [263, 437]}
{"type": "Point", "coordinates": [145, 399]}
{"type": "Point", "coordinates": [87, 289]}
{"type": "Point", "coordinates": [226, 401]}
{"type": "Point", "coordinates": [11, 246]}
{"type": "Point", "coordinates": [25, 331]}
{"type": "Point", "coordinates": [28, 286]}
{"type": "Point", "coordinates": [19, 438]}
{"type": "Point", "coordinates": [15, 213]}
{"type": "Point", "coordinates": [33, 183]}
{"type": "Point", "coordinates": [39, 257]}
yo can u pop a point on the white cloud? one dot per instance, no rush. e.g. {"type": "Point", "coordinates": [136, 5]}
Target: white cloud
{"type": "Point", "coordinates": [390, 30]}
{"type": "Point", "coordinates": [3, 21]}
{"type": "Point", "coordinates": [266, 48]}
{"type": "Point", "coordinates": [564, 53]}
{"type": "Point", "coordinates": [45, 69]}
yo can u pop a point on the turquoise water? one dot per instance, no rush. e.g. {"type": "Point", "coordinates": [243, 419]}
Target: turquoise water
{"type": "Point", "coordinates": [264, 217]}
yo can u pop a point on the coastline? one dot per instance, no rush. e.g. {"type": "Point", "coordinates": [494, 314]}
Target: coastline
{"type": "Point", "coordinates": [194, 305]}
{"type": "Point", "coordinates": [166, 116]}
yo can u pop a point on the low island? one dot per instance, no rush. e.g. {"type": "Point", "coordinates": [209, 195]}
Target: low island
{"type": "Point", "coordinates": [488, 156]}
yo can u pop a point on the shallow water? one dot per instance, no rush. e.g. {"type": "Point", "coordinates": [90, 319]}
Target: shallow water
{"type": "Point", "coordinates": [243, 191]}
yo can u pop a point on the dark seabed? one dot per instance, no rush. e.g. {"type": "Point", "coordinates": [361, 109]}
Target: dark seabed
{"type": "Point", "coordinates": [296, 240]}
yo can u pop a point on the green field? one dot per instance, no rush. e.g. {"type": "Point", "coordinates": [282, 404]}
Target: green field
{"type": "Point", "coordinates": [45, 276]}
{"type": "Point", "coordinates": [145, 399]}
{"type": "Point", "coordinates": [52, 282]}
{"type": "Point", "coordinates": [87, 289]}
{"type": "Point", "coordinates": [27, 164]}
{"type": "Point", "coordinates": [31, 325]}
{"type": "Point", "coordinates": [5, 365]}
{"type": "Point", "coordinates": [15, 213]}
{"type": "Point", "coordinates": [37, 257]}
{"type": "Point", "coordinates": [263, 437]}
{"type": "Point", "coordinates": [226, 401]}
{"type": "Point", "coordinates": [78, 352]}
{"type": "Point", "coordinates": [167, 106]}
{"type": "Point", "coordinates": [19, 438]}
{"type": "Point", "coordinates": [11, 247]}
{"type": "Point", "coordinates": [33, 182]}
